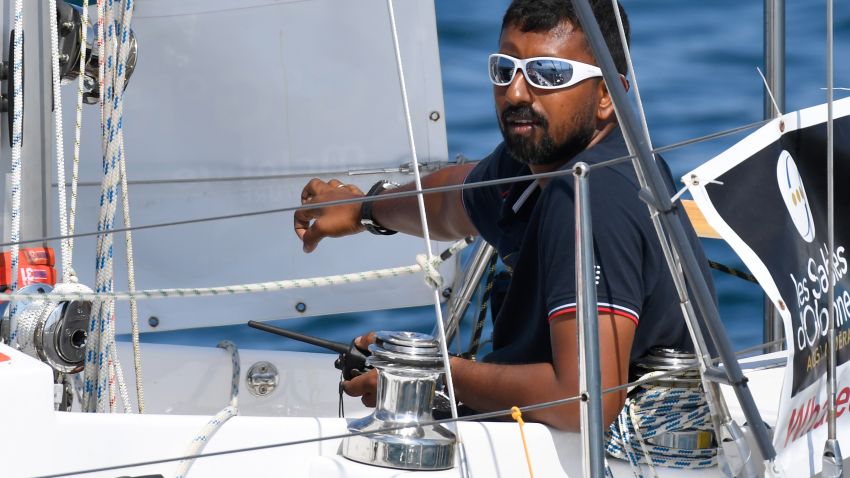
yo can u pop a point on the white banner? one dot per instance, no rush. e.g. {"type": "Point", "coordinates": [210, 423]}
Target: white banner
{"type": "Point", "coordinates": [767, 197]}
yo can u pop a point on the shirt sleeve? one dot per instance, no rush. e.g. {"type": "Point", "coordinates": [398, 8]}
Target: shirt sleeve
{"type": "Point", "coordinates": [483, 204]}
{"type": "Point", "coordinates": [617, 246]}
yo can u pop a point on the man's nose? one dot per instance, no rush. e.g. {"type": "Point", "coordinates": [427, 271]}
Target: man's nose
{"type": "Point", "coordinates": [519, 91]}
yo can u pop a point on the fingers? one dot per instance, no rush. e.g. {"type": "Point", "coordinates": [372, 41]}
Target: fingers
{"type": "Point", "coordinates": [312, 235]}
{"type": "Point", "coordinates": [364, 341]}
{"type": "Point", "coordinates": [364, 386]}
{"type": "Point", "coordinates": [314, 224]}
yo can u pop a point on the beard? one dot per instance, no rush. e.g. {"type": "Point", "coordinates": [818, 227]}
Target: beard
{"type": "Point", "coordinates": [526, 151]}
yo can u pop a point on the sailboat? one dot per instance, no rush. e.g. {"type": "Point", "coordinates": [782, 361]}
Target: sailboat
{"type": "Point", "coordinates": [217, 125]}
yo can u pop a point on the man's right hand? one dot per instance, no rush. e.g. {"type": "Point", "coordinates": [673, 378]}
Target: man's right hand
{"type": "Point", "coordinates": [313, 225]}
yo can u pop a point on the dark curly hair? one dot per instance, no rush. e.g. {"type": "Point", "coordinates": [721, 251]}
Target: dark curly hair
{"type": "Point", "coordinates": [544, 15]}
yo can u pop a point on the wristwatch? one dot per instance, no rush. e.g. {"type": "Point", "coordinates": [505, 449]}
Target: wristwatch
{"type": "Point", "coordinates": [366, 218]}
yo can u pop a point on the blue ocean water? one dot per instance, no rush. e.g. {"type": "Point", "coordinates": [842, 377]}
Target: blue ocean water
{"type": "Point", "coordinates": [696, 69]}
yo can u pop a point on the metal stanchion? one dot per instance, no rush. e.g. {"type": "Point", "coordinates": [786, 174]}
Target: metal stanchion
{"type": "Point", "coordinates": [590, 381]}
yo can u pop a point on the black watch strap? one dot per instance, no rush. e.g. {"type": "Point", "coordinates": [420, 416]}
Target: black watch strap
{"type": "Point", "coordinates": [366, 218]}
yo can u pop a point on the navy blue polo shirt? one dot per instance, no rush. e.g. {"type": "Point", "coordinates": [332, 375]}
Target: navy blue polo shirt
{"type": "Point", "coordinates": [534, 233]}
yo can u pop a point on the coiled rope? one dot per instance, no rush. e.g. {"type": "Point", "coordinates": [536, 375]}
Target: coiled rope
{"type": "Point", "coordinates": [200, 441]}
{"type": "Point", "coordinates": [17, 139]}
{"type": "Point", "coordinates": [652, 410]}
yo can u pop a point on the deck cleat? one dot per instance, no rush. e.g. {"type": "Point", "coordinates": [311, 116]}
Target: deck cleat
{"type": "Point", "coordinates": [409, 365]}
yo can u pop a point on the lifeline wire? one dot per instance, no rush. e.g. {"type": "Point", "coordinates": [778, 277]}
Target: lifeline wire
{"type": "Point", "coordinates": [397, 195]}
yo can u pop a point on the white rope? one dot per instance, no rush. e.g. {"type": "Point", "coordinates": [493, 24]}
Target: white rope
{"type": "Point", "coordinates": [214, 425]}
{"type": "Point", "coordinates": [78, 126]}
{"type": "Point", "coordinates": [59, 142]}
{"type": "Point", "coordinates": [274, 286]}
{"type": "Point", "coordinates": [17, 138]}
{"type": "Point", "coordinates": [131, 284]}
{"type": "Point", "coordinates": [108, 371]}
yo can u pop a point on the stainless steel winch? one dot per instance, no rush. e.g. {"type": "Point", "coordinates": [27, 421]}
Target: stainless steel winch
{"type": "Point", "coordinates": [409, 365]}
{"type": "Point", "coordinates": [56, 331]}
{"type": "Point", "coordinates": [664, 359]}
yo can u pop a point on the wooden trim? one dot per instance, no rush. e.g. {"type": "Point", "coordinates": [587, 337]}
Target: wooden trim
{"type": "Point", "coordinates": [701, 226]}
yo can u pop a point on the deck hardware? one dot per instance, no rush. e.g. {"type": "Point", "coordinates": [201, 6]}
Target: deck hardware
{"type": "Point", "coordinates": [59, 334]}
{"type": "Point", "coordinates": [70, 45]}
{"type": "Point", "coordinates": [7, 98]}
{"type": "Point", "coordinates": [262, 379]}
{"type": "Point", "coordinates": [409, 365]}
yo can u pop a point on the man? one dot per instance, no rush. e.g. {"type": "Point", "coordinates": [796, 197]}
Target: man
{"type": "Point", "coordinates": [554, 110]}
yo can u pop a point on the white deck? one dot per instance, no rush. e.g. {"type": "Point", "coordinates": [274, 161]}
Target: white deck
{"type": "Point", "coordinates": [185, 386]}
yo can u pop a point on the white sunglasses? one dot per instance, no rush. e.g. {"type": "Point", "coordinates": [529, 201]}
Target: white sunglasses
{"type": "Point", "coordinates": [544, 72]}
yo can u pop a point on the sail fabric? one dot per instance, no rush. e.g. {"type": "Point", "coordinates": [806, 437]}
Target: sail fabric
{"type": "Point", "coordinates": [767, 197]}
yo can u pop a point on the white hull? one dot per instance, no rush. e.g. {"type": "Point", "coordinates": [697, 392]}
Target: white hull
{"type": "Point", "coordinates": [186, 386]}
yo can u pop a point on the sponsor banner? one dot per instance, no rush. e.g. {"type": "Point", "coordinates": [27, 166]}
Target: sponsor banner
{"type": "Point", "coordinates": [767, 197]}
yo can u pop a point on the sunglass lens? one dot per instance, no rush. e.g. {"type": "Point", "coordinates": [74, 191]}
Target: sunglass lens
{"type": "Point", "coordinates": [501, 70]}
{"type": "Point", "coordinates": [549, 73]}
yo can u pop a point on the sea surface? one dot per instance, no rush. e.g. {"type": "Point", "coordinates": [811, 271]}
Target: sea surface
{"type": "Point", "coordinates": [696, 69]}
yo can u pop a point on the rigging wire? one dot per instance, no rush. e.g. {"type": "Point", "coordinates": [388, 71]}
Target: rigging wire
{"type": "Point", "coordinates": [423, 217]}
{"type": "Point", "coordinates": [396, 195]}
{"type": "Point", "coordinates": [468, 418]}
{"type": "Point", "coordinates": [403, 169]}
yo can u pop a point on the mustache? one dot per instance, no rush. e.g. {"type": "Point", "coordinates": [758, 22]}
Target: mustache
{"type": "Point", "coordinates": [522, 113]}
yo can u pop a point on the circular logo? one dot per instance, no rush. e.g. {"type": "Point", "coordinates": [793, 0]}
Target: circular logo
{"type": "Point", "coordinates": [794, 195]}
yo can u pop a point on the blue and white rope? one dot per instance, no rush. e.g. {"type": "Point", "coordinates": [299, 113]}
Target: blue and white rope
{"type": "Point", "coordinates": [652, 410]}
{"type": "Point", "coordinates": [200, 441]}
{"type": "Point", "coordinates": [102, 369]}
{"type": "Point", "coordinates": [17, 140]}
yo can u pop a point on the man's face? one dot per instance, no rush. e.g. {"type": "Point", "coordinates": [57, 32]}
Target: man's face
{"type": "Point", "coordinates": [546, 126]}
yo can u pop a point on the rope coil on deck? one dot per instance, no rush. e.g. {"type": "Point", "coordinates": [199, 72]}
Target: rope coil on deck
{"type": "Point", "coordinates": [652, 410]}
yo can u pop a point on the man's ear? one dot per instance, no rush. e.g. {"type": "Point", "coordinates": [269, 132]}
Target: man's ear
{"type": "Point", "coordinates": [605, 109]}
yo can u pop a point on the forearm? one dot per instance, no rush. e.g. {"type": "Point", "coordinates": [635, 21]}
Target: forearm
{"type": "Point", "coordinates": [488, 387]}
{"type": "Point", "coordinates": [447, 218]}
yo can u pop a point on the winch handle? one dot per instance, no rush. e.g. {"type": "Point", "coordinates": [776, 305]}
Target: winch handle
{"type": "Point", "coordinates": [337, 347]}
{"type": "Point", "coordinates": [351, 360]}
